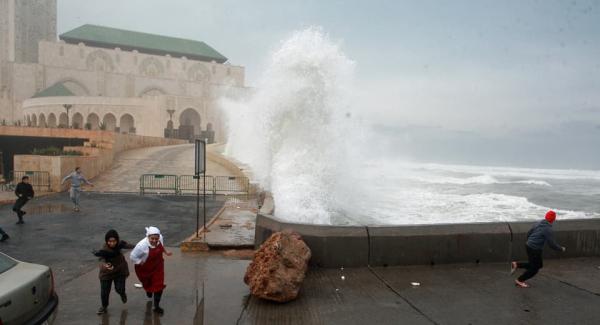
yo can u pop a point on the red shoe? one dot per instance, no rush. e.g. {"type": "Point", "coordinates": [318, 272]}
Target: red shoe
{"type": "Point", "coordinates": [521, 284]}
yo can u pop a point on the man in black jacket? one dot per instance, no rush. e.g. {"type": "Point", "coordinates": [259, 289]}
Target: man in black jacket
{"type": "Point", "coordinates": [537, 236]}
{"type": "Point", "coordinates": [24, 193]}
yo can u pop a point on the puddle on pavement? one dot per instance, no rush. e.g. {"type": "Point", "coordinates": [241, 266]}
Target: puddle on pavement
{"type": "Point", "coordinates": [47, 208]}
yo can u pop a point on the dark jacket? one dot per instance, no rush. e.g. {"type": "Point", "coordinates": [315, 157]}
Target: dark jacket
{"type": "Point", "coordinates": [540, 234]}
{"type": "Point", "coordinates": [116, 259]}
{"type": "Point", "coordinates": [24, 190]}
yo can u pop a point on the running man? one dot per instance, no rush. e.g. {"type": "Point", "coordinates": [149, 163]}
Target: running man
{"type": "Point", "coordinates": [537, 236]}
{"type": "Point", "coordinates": [24, 193]}
{"type": "Point", "coordinates": [75, 191]}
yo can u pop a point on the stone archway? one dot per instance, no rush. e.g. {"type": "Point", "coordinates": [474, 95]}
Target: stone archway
{"type": "Point", "coordinates": [152, 92]}
{"type": "Point", "coordinates": [77, 121]}
{"type": "Point", "coordinates": [189, 124]}
{"type": "Point", "coordinates": [63, 120]}
{"type": "Point", "coordinates": [28, 120]}
{"type": "Point", "coordinates": [33, 120]}
{"type": "Point", "coordinates": [110, 122]}
{"type": "Point", "coordinates": [52, 121]}
{"type": "Point", "coordinates": [42, 122]}
{"type": "Point", "coordinates": [92, 122]}
{"type": "Point", "coordinates": [127, 124]}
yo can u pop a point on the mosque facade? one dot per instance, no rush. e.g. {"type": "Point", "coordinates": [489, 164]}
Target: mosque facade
{"type": "Point", "coordinates": [98, 77]}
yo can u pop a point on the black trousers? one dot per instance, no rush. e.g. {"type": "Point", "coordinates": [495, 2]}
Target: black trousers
{"type": "Point", "coordinates": [105, 286]}
{"type": "Point", "coordinates": [534, 264]}
{"type": "Point", "coordinates": [20, 203]}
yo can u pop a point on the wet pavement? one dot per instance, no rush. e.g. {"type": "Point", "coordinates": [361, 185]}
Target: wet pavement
{"type": "Point", "coordinates": [207, 288]}
{"type": "Point", "coordinates": [202, 288]}
{"type": "Point", "coordinates": [233, 228]}
{"type": "Point", "coordinates": [565, 292]}
{"type": "Point", "coordinates": [55, 235]}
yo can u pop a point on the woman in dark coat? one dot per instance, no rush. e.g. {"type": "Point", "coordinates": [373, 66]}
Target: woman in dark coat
{"type": "Point", "coordinates": [113, 268]}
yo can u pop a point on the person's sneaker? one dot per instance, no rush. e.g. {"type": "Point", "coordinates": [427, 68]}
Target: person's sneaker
{"type": "Point", "coordinates": [101, 310]}
{"type": "Point", "coordinates": [124, 298]}
{"type": "Point", "coordinates": [76, 209]}
{"type": "Point", "coordinates": [159, 310]}
{"type": "Point", "coordinates": [513, 267]}
{"type": "Point", "coordinates": [521, 284]}
{"type": "Point", "coordinates": [20, 222]}
{"type": "Point", "coordinates": [4, 237]}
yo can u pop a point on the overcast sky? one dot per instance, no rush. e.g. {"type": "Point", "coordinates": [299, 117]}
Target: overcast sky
{"type": "Point", "coordinates": [493, 67]}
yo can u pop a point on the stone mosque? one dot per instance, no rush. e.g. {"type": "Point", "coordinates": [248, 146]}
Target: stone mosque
{"type": "Point", "coordinates": [97, 77]}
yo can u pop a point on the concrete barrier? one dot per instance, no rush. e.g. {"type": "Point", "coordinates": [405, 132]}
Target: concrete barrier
{"type": "Point", "coordinates": [439, 244]}
{"type": "Point", "coordinates": [337, 246]}
{"type": "Point", "coordinates": [331, 246]}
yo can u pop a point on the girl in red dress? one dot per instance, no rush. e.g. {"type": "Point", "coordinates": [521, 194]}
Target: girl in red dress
{"type": "Point", "coordinates": [150, 265]}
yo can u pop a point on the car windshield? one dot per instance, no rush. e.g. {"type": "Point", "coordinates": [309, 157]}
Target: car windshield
{"type": "Point", "coordinates": [6, 263]}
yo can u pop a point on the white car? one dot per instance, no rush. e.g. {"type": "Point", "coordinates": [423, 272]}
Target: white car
{"type": "Point", "coordinates": [26, 293]}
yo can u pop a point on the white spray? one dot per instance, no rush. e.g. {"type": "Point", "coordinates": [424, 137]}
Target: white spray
{"type": "Point", "coordinates": [296, 133]}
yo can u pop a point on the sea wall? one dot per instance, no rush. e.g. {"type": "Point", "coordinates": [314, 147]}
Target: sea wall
{"type": "Point", "coordinates": [348, 246]}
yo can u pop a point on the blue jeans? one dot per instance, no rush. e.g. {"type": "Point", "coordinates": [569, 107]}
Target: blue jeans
{"type": "Point", "coordinates": [74, 194]}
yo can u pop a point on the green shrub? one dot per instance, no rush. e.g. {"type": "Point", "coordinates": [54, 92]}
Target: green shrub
{"type": "Point", "coordinates": [55, 151]}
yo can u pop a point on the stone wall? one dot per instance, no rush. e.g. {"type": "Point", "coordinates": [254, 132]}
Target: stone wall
{"type": "Point", "coordinates": [101, 148]}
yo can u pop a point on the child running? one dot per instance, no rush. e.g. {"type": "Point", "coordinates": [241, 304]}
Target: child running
{"type": "Point", "coordinates": [150, 265]}
{"type": "Point", "coordinates": [113, 268]}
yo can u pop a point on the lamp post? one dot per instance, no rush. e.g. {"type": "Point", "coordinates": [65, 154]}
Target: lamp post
{"type": "Point", "coordinates": [171, 112]}
{"type": "Point", "coordinates": [67, 107]}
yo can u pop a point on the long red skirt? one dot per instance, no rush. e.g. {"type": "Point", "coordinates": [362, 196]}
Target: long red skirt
{"type": "Point", "coordinates": [152, 272]}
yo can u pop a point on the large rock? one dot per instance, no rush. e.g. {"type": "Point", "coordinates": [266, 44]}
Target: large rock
{"type": "Point", "coordinates": [278, 267]}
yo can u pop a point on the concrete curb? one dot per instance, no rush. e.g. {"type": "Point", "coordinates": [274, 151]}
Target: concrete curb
{"type": "Point", "coordinates": [354, 246]}
{"type": "Point", "coordinates": [197, 244]}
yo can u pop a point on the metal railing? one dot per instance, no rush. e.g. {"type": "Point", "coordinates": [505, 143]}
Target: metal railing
{"type": "Point", "coordinates": [231, 184]}
{"type": "Point", "coordinates": [38, 179]}
{"type": "Point", "coordinates": [188, 184]}
{"type": "Point", "coordinates": [159, 183]}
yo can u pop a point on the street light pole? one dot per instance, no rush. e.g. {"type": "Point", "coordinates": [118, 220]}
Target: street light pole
{"type": "Point", "coordinates": [171, 111]}
{"type": "Point", "coordinates": [67, 107]}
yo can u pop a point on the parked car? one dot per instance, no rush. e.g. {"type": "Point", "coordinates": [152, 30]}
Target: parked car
{"type": "Point", "coordinates": [26, 293]}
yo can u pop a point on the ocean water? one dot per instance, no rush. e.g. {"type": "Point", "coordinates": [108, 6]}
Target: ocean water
{"type": "Point", "coordinates": [398, 192]}
{"type": "Point", "coordinates": [297, 134]}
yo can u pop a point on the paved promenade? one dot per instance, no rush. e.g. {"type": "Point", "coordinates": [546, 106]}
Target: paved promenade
{"type": "Point", "coordinates": [124, 176]}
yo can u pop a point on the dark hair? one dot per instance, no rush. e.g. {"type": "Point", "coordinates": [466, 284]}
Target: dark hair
{"type": "Point", "coordinates": [77, 168]}
{"type": "Point", "coordinates": [111, 234]}
{"type": "Point", "coordinates": [24, 178]}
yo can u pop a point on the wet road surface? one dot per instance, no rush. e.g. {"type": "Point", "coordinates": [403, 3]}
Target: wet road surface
{"type": "Point", "coordinates": [207, 288]}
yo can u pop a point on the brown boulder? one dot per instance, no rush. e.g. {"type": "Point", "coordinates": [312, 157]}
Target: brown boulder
{"type": "Point", "coordinates": [278, 267]}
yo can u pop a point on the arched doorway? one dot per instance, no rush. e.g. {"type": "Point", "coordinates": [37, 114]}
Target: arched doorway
{"type": "Point", "coordinates": [77, 121]}
{"type": "Point", "coordinates": [63, 120]}
{"type": "Point", "coordinates": [28, 119]}
{"type": "Point", "coordinates": [110, 122]}
{"type": "Point", "coordinates": [33, 120]}
{"type": "Point", "coordinates": [93, 122]}
{"type": "Point", "coordinates": [52, 120]}
{"type": "Point", "coordinates": [42, 120]}
{"type": "Point", "coordinates": [127, 124]}
{"type": "Point", "coordinates": [189, 124]}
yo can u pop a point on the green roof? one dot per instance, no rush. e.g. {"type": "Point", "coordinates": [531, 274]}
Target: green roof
{"type": "Point", "coordinates": [107, 37]}
{"type": "Point", "coordinates": [56, 90]}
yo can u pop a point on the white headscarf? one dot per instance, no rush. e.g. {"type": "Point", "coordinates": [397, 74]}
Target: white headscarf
{"type": "Point", "coordinates": [139, 254]}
